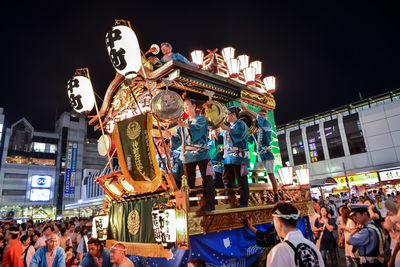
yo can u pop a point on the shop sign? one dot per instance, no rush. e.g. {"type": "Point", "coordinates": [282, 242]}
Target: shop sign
{"type": "Point", "coordinates": [357, 179]}
{"type": "Point", "coordinates": [390, 175]}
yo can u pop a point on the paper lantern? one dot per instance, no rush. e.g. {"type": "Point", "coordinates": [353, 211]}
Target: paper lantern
{"type": "Point", "coordinates": [250, 75]}
{"type": "Point", "coordinates": [257, 65]}
{"type": "Point", "coordinates": [233, 67]}
{"type": "Point", "coordinates": [126, 185]}
{"type": "Point", "coordinates": [286, 175]}
{"type": "Point", "coordinates": [228, 53]}
{"type": "Point", "coordinates": [170, 225]}
{"type": "Point", "coordinates": [197, 57]}
{"type": "Point", "coordinates": [303, 176]}
{"type": "Point", "coordinates": [244, 61]}
{"type": "Point", "coordinates": [124, 51]}
{"type": "Point", "coordinates": [269, 83]}
{"type": "Point", "coordinates": [114, 187]}
{"type": "Point", "coordinates": [80, 94]}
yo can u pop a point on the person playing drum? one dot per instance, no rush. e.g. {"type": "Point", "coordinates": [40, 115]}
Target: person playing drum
{"type": "Point", "coordinates": [192, 135]}
{"type": "Point", "coordinates": [262, 139]}
{"type": "Point", "coordinates": [237, 157]}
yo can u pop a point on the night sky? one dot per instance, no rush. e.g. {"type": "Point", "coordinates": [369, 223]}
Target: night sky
{"type": "Point", "coordinates": [322, 56]}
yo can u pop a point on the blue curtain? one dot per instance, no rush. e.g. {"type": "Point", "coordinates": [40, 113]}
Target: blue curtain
{"type": "Point", "coordinates": [236, 247]}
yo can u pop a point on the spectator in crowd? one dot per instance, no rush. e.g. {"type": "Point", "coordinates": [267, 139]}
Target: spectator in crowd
{"type": "Point", "coordinates": [373, 212]}
{"type": "Point", "coordinates": [369, 239]}
{"type": "Point", "coordinates": [28, 250]}
{"type": "Point", "coordinates": [326, 242]}
{"type": "Point", "coordinates": [196, 263]}
{"type": "Point", "coordinates": [83, 243]}
{"type": "Point", "coordinates": [13, 251]}
{"type": "Point", "coordinates": [49, 255]}
{"type": "Point", "coordinates": [97, 254]}
{"type": "Point", "coordinates": [118, 256]}
{"type": "Point", "coordinates": [65, 240]}
{"type": "Point", "coordinates": [380, 206]}
{"type": "Point", "coordinates": [47, 231]}
{"type": "Point", "coordinates": [345, 229]}
{"type": "Point", "coordinates": [73, 235]}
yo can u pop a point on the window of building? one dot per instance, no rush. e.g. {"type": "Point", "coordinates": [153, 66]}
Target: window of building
{"type": "Point", "coordinates": [354, 134]}
{"type": "Point", "coordinates": [10, 192]}
{"type": "Point", "coordinates": [15, 175]}
{"type": "Point", "coordinates": [39, 147]}
{"type": "Point", "coordinates": [283, 148]}
{"type": "Point", "coordinates": [333, 139]}
{"type": "Point", "coordinates": [53, 148]}
{"type": "Point", "coordinates": [296, 140]}
{"type": "Point", "coordinates": [314, 143]}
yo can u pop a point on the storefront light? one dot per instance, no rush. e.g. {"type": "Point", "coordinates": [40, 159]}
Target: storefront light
{"type": "Point", "coordinates": [244, 61]}
{"type": "Point", "coordinates": [197, 57]}
{"type": "Point", "coordinates": [228, 53]}
{"type": "Point", "coordinates": [286, 175]}
{"type": "Point", "coordinates": [257, 65]}
{"type": "Point", "coordinates": [303, 176]}
{"type": "Point", "coordinates": [269, 83]}
{"type": "Point", "coordinates": [250, 75]}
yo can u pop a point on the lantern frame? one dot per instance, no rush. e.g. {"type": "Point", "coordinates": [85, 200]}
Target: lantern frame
{"type": "Point", "coordinates": [233, 65]}
{"type": "Point", "coordinates": [303, 176]}
{"type": "Point", "coordinates": [270, 84]}
{"type": "Point", "coordinates": [228, 53]}
{"type": "Point", "coordinates": [197, 57]}
{"type": "Point", "coordinates": [249, 75]}
{"type": "Point", "coordinates": [286, 175]}
{"type": "Point", "coordinates": [258, 66]}
{"type": "Point", "coordinates": [244, 61]}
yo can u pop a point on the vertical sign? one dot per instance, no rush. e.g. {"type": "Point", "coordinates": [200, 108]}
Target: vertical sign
{"type": "Point", "coordinates": [68, 171]}
{"type": "Point", "coordinates": [73, 169]}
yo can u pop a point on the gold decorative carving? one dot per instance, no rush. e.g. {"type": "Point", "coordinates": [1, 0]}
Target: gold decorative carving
{"type": "Point", "coordinates": [133, 222]}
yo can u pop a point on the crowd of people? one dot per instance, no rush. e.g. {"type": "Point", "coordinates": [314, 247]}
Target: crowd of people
{"type": "Point", "coordinates": [365, 226]}
{"type": "Point", "coordinates": [57, 244]}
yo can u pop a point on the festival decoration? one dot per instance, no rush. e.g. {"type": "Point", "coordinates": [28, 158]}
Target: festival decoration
{"type": "Point", "coordinates": [197, 57]}
{"type": "Point", "coordinates": [80, 94]}
{"type": "Point", "coordinates": [244, 61]}
{"type": "Point", "coordinates": [257, 65]}
{"type": "Point", "coordinates": [303, 176]}
{"type": "Point", "coordinates": [233, 67]}
{"type": "Point", "coordinates": [124, 51]}
{"type": "Point", "coordinates": [269, 83]}
{"type": "Point", "coordinates": [250, 75]}
{"type": "Point", "coordinates": [228, 53]}
{"type": "Point", "coordinates": [286, 175]}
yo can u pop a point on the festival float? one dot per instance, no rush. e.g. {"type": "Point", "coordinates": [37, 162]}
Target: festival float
{"type": "Point", "coordinates": [159, 223]}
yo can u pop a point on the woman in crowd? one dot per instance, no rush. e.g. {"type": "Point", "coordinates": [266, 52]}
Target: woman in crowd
{"type": "Point", "coordinates": [65, 240]}
{"type": "Point", "coordinates": [28, 249]}
{"type": "Point", "coordinates": [345, 229]}
{"type": "Point", "coordinates": [374, 213]}
{"type": "Point", "coordinates": [326, 242]}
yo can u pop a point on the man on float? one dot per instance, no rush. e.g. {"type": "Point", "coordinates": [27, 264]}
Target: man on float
{"type": "Point", "coordinates": [237, 157]}
{"type": "Point", "coordinates": [192, 136]}
{"type": "Point", "coordinates": [166, 49]}
{"type": "Point", "coordinates": [262, 139]}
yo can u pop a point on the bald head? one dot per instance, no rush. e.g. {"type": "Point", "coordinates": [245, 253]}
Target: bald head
{"type": "Point", "coordinates": [52, 242]}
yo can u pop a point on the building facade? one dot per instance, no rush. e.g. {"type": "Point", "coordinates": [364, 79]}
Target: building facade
{"type": "Point", "coordinates": [41, 172]}
{"type": "Point", "coordinates": [358, 140]}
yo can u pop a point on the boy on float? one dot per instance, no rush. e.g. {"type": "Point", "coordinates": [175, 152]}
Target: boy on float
{"type": "Point", "coordinates": [262, 139]}
{"type": "Point", "coordinates": [237, 157]}
{"type": "Point", "coordinates": [192, 135]}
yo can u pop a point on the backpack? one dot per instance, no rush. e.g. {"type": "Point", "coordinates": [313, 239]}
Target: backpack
{"type": "Point", "coordinates": [304, 255]}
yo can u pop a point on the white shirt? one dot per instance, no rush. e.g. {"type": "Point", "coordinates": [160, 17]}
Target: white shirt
{"type": "Point", "coordinates": [382, 210]}
{"type": "Point", "coordinates": [282, 255]}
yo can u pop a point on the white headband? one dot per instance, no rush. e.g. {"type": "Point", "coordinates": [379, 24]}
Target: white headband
{"type": "Point", "coordinates": [277, 213]}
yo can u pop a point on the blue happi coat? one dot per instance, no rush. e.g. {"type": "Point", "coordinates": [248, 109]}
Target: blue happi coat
{"type": "Point", "coordinates": [235, 143]}
{"type": "Point", "coordinates": [176, 165]}
{"type": "Point", "coordinates": [195, 140]}
{"type": "Point", "coordinates": [216, 156]}
{"type": "Point", "coordinates": [262, 139]}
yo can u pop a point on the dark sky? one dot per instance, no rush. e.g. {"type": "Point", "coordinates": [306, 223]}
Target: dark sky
{"type": "Point", "coordinates": [322, 55]}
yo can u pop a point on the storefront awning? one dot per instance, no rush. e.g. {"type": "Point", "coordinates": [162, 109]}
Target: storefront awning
{"type": "Point", "coordinates": [323, 182]}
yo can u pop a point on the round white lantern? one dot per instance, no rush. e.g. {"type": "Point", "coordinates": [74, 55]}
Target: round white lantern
{"type": "Point", "coordinates": [80, 94]}
{"type": "Point", "coordinates": [124, 51]}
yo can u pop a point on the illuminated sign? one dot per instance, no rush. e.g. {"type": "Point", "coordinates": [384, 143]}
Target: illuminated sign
{"type": "Point", "coordinates": [358, 179]}
{"type": "Point", "coordinates": [41, 181]}
{"type": "Point", "coordinates": [390, 175]}
{"type": "Point", "coordinates": [40, 195]}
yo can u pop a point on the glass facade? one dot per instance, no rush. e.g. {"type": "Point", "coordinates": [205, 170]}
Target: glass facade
{"type": "Point", "coordinates": [296, 140]}
{"type": "Point", "coordinates": [314, 143]}
{"type": "Point", "coordinates": [283, 148]}
{"type": "Point", "coordinates": [354, 134]}
{"type": "Point", "coordinates": [333, 139]}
